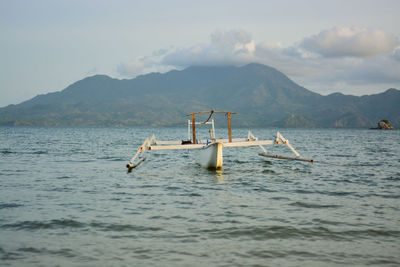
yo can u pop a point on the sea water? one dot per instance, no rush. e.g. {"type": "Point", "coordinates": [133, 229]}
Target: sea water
{"type": "Point", "coordinates": [66, 199]}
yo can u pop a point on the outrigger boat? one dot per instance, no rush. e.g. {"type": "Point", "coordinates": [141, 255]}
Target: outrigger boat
{"type": "Point", "coordinates": [211, 150]}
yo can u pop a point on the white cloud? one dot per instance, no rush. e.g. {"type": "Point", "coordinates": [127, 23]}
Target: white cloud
{"type": "Point", "coordinates": [226, 48]}
{"type": "Point", "coordinates": [231, 41]}
{"type": "Point", "coordinates": [350, 42]}
{"type": "Point", "coordinates": [233, 47]}
{"type": "Point", "coordinates": [144, 65]}
{"type": "Point", "coordinates": [134, 67]}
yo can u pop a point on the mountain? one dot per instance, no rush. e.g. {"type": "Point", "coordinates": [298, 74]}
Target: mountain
{"type": "Point", "coordinates": [261, 95]}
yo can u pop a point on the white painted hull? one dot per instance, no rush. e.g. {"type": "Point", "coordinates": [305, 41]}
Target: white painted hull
{"type": "Point", "coordinates": [211, 156]}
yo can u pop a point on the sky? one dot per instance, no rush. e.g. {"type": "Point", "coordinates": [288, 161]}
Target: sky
{"type": "Point", "coordinates": [328, 46]}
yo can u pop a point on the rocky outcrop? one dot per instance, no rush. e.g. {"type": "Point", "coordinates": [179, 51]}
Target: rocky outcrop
{"type": "Point", "coordinates": [384, 125]}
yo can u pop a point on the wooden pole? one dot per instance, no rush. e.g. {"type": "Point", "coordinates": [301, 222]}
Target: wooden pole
{"type": "Point", "coordinates": [194, 129]}
{"type": "Point", "coordinates": [229, 127]}
{"type": "Point", "coordinates": [284, 157]}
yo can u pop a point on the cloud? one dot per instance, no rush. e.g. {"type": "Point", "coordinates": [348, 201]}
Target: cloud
{"type": "Point", "coordinates": [225, 48]}
{"type": "Point", "coordinates": [335, 59]}
{"type": "Point", "coordinates": [234, 47]}
{"type": "Point", "coordinates": [134, 67]}
{"type": "Point", "coordinates": [350, 42]}
{"type": "Point", "coordinates": [144, 65]}
{"type": "Point", "coordinates": [233, 41]}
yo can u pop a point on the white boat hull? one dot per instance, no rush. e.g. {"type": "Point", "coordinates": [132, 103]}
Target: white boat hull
{"type": "Point", "coordinates": [211, 155]}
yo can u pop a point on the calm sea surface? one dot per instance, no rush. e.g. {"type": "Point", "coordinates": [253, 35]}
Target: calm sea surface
{"type": "Point", "coordinates": [66, 199]}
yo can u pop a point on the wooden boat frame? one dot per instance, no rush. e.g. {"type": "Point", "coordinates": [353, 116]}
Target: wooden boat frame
{"type": "Point", "coordinates": [151, 144]}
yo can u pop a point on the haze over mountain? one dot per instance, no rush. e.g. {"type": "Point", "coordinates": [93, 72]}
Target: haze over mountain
{"type": "Point", "coordinates": [261, 95]}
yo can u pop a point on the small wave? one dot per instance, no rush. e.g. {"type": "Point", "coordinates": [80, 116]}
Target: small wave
{"type": "Point", "coordinates": [39, 152]}
{"type": "Point", "coordinates": [312, 205]}
{"type": "Point", "coordinates": [237, 161]}
{"type": "Point", "coordinates": [264, 254]}
{"type": "Point", "coordinates": [393, 178]}
{"type": "Point", "coordinates": [383, 261]}
{"type": "Point", "coordinates": [9, 205]}
{"type": "Point", "coordinates": [221, 222]}
{"type": "Point", "coordinates": [279, 198]}
{"type": "Point", "coordinates": [173, 188]}
{"type": "Point", "coordinates": [368, 164]}
{"type": "Point", "coordinates": [80, 160]}
{"type": "Point", "coordinates": [329, 193]}
{"type": "Point", "coordinates": [268, 171]}
{"type": "Point", "coordinates": [111, 158]}
{"type": "Point", "coordinates": [58, 189]}
{"type": "Point", "coordinates": [64, 177]}
{"type": "Point", "coordinates": [123, 227]}
{"type": "Point", "coordinates": [389, 195]}
{"type": "Point", "coordinates": [342, 156]}
{"type": "Point", "coordinates": [57, 224]}
{"type": "Point", "coordinates": [320, 221]}
{"type": "Point", "coordinates": [7, 151]}
{"type": "Point", "coordinates": [122, 193]}
{"type": "Point", "coordinates": [263, 189]}
{"type": "Point", "coordinates": [301, 191]}
{"type": "Point", "coordinates": [148, 186]}
{"type": "Point", "coordinates": [30, 250]}
{"type": "Point", "coordinates": [66, 252]}
{"type": "Point", "coordinates": [10, 255]}
{"type": "Point", "coordinates": [376, 150]}
{"type": "Point", "coordinates": [255, 233]}
{"type": "Point", "coordinates": [37, 225]}
{"type": "Point", "coordinates": [339, 193]}
{"type": "Point", "coordinates": [266, 163]}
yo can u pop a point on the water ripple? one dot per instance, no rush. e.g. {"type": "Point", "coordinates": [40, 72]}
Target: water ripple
{"type": "Point", "coordinates": [10, 205]}
{"type": "Point", "coordinates": [313, 205]}
{"type": "Point", "coordinates": [37, 225]}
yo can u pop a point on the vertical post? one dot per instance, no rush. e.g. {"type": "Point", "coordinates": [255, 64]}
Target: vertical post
{"type": "Point", "coordinates": [194, 129]}
{"type": "Point", "coordinates": [213, 129]}
{"type": "Point", "coordinates": [188, 130]}
{"type": "Point", "coordinates": [229, 127]}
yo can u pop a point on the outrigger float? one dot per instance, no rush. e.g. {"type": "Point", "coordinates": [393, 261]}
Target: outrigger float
{"type": "Point", "coordinates": [211, 155]}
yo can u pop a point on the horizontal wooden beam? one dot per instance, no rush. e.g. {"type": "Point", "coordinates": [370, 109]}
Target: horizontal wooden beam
{"type": "Point", "coordinates": [172, 146]}
{"type": "Point", "coordinates": [249, 143]}
{"type": "Point", "coordinates": [209, 111]}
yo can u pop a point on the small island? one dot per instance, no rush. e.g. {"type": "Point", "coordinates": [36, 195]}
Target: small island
{"type": "Point", "coordinates": [384, 125]}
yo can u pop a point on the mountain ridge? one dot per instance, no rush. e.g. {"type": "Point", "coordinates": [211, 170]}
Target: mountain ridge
{"type": "Point", "coordinates": [262, 95]}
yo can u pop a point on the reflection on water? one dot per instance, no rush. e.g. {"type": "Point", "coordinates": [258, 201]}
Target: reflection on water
{"type": "Point", "coordinates": [219, 174]}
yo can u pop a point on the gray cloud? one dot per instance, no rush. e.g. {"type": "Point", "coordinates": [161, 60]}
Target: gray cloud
{"type": "Point", "coordinates": [350, 42]}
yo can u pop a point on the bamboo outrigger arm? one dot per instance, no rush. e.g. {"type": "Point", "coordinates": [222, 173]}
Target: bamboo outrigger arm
{"type": "Point", "coordinates": [140, 153]}
{"type": "Point", "coordinates": [282, 140]}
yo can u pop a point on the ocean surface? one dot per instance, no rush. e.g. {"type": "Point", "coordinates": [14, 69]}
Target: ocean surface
{"type": "Point", "coordinates": [66, 199]}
